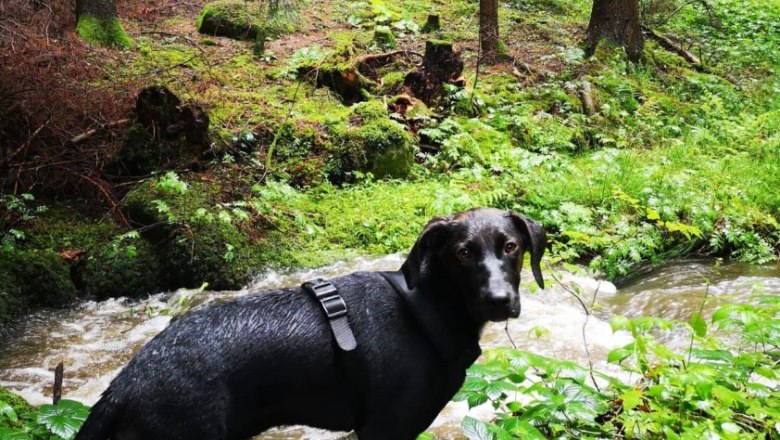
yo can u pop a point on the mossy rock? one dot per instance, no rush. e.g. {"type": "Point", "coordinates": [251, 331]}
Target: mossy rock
{"type": "Point", "coordinates": [106, 32]}
{"type": "Point", "coordinates": [377, 144]}
{"type": "Point", "coordinates": [31, 278]}
{"type": "Point", "coordinates": [242, 20]}
{"type": "Point", "coordinates": [215, 252]}
{"type": "Point", "coordinates": [193, 243]}
{"type": "Point", "coordinates": [232, 19]}
{"type": "Point", "coordinates": [120, 270]}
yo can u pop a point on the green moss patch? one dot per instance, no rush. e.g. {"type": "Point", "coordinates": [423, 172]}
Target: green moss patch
{"type": "Point", "coordinates": [103, 32]}
{"type": "Point", "coordinates": [242, 21]}
{"type": "Point", "coordinates": [30, 278]}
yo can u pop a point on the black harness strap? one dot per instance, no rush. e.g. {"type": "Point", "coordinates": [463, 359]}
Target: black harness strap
{"type": "Point", "coordinates": [459, 355]}
{"type": "Point", "coordinates": [335, 310]}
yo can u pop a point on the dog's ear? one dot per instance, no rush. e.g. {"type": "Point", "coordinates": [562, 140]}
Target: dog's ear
{"type": "Point", "coordinates": [419, 256]}
{"type": "Point", "coordinates": [536, 239]}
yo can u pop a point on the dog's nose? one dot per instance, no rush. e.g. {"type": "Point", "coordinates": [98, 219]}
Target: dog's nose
{"type": "Point", "coordinates": [499, 298]}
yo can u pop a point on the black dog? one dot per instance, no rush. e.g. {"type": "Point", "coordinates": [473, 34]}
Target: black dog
{"type": "Point", "coordinates": [233, 370]}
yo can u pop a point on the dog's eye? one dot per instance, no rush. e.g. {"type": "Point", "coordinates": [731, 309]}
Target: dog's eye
{"type": "Point", "coordinates": [463, 253]}
{"type": "Point", "coordinates": [510, 248]}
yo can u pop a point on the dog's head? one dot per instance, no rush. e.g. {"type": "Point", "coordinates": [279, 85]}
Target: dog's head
{"type": "Point", "coordinates": [480, 251]}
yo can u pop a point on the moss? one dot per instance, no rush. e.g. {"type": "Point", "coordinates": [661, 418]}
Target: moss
{"type": "Point", "coordinates": [380, 146]}
{"type": "Point", "coordinates": [368, 111]}
{"type": "Point", "coordinates": [384, 38]}
{"type": "Point", "coordinates": [103, 32]}
{"type": "Point", "coordinates": [239, 20]}
{"type": "Point", "coordinates": [31, 278]}
{"type": "Point", "coordinates": [194, 243]}
{"type": "Point", "coordinates": [213, 252]}
{"type": "Point", "coordinates": [120, 270]}
{"type": "Point", "coordinates": [392, 82]}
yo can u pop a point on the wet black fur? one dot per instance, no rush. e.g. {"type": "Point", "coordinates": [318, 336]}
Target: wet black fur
{"type": "Point", "coordinates": [233, 370]}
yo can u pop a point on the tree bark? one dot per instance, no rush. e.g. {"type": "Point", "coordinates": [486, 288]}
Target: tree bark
{"type": "Point", "coordinates": [103, 9]}
{"type": "Point", "coordinates": [488, 30]}
{"type": "Point", "coordinates": [97, 23]}
{"type": "Point", "coordinates": [617, 21]}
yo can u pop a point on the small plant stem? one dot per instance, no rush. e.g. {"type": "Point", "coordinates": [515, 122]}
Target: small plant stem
{"type": "Point", "coordinates": [584, 324]}
{"type": "Point", "coordinates": [693, 332]}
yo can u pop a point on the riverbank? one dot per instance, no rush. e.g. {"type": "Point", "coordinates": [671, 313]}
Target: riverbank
{"type": "Point", "coordinates": [670, 160]}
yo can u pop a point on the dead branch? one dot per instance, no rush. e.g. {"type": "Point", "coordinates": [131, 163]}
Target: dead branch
{"type": "Point", "coordinates": [93, 131]}
{"type": "Point", "coordinates": [671, 46]}
{"type": "Point", "coordinates": [108, 194]}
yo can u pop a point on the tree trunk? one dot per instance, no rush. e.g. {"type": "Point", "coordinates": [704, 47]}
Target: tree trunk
{"type": "Point", "coordinates": [97, 23]}
{"type": "Point", "coordinates": [617, 21]}
{"type": "Point", "coordinates": [488, 29]}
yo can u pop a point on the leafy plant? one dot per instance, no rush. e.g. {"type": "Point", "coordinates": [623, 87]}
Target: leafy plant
{"type": "Point", "coordinates": [722, 386]}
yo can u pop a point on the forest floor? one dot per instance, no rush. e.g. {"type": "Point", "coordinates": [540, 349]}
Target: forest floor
{"type": "Point", "coordinates": [672, 159]}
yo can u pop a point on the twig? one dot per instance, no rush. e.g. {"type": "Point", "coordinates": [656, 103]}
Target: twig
{"type": "Point", "coordinates": [93, 131]}
{"type": "Point", "coordinates": [584, 324]}
{"type": "Point", "coordinates": [168, 34]}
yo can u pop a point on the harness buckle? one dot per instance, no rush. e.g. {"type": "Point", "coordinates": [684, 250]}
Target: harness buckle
{"type": "Point", "coordinates": [334, 306]}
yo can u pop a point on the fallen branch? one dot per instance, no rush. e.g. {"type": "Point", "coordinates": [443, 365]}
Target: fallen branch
{"type": "Point", "coordinates": [93, 131]}
{"type": "Point", "coordinates": [671, 46]}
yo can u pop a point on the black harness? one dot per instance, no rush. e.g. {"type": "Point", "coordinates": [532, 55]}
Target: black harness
{"type": "Point", "coordinates": [456, 356]}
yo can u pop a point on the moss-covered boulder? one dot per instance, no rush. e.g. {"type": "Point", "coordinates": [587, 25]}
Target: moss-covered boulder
{"type": "Point", "coordinates": [33, 278]}
{"type": "Point", "coordinates": [371, 142]}
{"type": "Point", "coordinates": [194, 237]}
{"type": "Point", "coordinates": [243, 20]}
{"type": "Point", "coordinates": [120, 269]}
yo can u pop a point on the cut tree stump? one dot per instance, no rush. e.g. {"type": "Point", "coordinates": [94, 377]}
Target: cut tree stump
{"type": "Point", "coordinates": [441, 64]}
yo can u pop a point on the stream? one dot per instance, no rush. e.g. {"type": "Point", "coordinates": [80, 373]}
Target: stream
{"type": "Point", "coordinates": [95, 340]}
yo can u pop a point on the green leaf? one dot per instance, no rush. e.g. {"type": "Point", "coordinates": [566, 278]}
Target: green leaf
{"type": "Point", "coordinates": [426, 436]}
{"type": "Point", "coordinates": [631, 399]}
{"type": "Point", "coordinates": [14, 434]}
{"type": "Point", "coordinates": [699, 325]}
{"type": "Point", "coordinates": [527, 431]}
{"type": "Point", "coordinates": [7, 411]}
{"type": "Point", "coordinates": [476, 399]}
{"type": "Point", "coordinates": [63, 419]}
{"type": "Point", "coordinates": [475, 429]}
{"type": "Point", "coordinates": [620, 354]}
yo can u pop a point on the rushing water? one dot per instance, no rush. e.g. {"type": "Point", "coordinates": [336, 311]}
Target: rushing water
{"type": "Point", "coordinates": [95, 339]}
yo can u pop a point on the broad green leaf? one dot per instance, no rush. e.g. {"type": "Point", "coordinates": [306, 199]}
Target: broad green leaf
{"type": "Point", "coordinates": [7, 411]}
{"type": "Point", "coordinates": [699, 325]}
{"type": "Point", "coordinates": [631, 399]}
{"type": "Point", "coordinates": [527, 431]}
{"type": "Point", "coordinates": [620, 354]}
{"type": "Point", "coordinates": [63, 419]}
{"type": "Point", "coordinates": [475, 429]}
{"type": "Point", "coordinates": [476, 399]}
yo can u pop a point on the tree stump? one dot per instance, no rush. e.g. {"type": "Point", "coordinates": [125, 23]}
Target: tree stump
{"type": "Point", "coordinates": [441, 64]}
{"type": "Point", "coordinates": [432, 24]}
